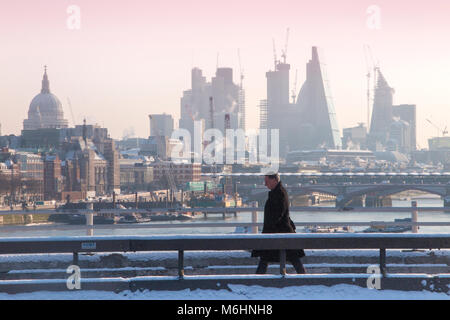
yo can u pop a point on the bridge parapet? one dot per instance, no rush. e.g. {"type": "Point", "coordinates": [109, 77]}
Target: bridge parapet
{"type": "Point", "coordinates": [182, 243]}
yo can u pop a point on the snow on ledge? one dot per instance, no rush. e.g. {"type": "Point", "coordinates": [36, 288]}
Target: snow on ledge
{"type": "Point", "coordinates": [239, 292]}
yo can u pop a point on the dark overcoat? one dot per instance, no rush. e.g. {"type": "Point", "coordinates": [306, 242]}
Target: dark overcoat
{"type": "Point", "coordinates": [277, 220]}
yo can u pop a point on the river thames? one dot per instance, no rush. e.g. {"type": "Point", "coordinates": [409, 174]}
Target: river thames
{"type": "Point", "coordinates": [245, 217]}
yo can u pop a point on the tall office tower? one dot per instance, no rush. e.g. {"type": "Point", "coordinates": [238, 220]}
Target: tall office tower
{"type": "Point", "coordinates": [407, 112]}
{"type": "Point", "coordinates": [161, 125]}
{"type": "Point", "coordinates": [277, 94]}
{"type": "Point", "coordinates": [399, 136]}
{"type": "Point", "coordinates": [276, 110]}
{"type": "Point", "coordinates": [382, 111]}
{"type": "Point", "coordinates": [196, 100]}
{"type": "Point", "coordinates": [194, 105]}
{"type": "Point", "coordinates": [318, 126]}
{"type": "Point", "coordinates": [227, 98]}
{"type": "Point", "coordinates": [45, 110]}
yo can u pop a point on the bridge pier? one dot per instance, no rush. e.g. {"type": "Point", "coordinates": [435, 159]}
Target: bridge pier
{"type": "Point", "coordinates": [447, 201]}
{"type": "Point", "coordinates": [357, 201]}
{"type": "Point", "coordinates": [342, 201]}
{"type": "Point", "coordinates": [378, 201]}
{"type": "Point", "coordinates": [315, 199]}
{"type": "Point", "coordinates": [28, 218]}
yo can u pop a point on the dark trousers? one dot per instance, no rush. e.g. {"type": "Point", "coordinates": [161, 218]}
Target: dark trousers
{"type": "Point", "coordinates": [296, 263]}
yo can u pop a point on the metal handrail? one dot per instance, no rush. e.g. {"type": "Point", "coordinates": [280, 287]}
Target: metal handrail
{"type": "Point", "coordinates": [182, 243]}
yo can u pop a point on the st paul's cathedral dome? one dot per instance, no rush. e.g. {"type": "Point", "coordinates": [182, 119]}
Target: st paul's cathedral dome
{"type": "Point", "coordinates": [45, 110]}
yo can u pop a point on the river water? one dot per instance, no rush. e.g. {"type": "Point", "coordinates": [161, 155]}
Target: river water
{"type": "Point", "coordinates": [344, 216]}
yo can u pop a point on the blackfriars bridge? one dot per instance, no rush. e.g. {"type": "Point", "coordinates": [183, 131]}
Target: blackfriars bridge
{"type": "Point", "coordinates": [354, 188]}
{"type": "Point", "coordinates": [373, 193]}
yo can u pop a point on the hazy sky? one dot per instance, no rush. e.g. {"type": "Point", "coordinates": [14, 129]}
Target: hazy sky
{"type": "Point", "coordinates": [131, 58]}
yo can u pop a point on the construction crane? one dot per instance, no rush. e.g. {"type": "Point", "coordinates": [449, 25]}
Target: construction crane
{"type": "Point", "coordinates": [71, 112]}
{"type": "Point", "coordinates": [370, 65]}
{"type": "Point", "coordinates": [240, 69]}
{"type": "Point", "coordinates": [294, 90]}
{"type": "Point", "coordinates": [227, 169]}
{"type": "Point", "coordinates": [284, 52]}
{"type": "Point", "coordinates": [275, 60]}
{"type": "Point", "coordinates": [444, 132]}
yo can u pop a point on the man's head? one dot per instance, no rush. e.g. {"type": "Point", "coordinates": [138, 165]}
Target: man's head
{"type": "Point", "coordinates": [271, 180]}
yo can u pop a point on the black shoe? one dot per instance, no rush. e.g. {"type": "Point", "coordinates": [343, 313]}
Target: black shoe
{"type": "Point", "coordinates": [298, 266]}
{"type": "Point", "coordinates": [262, 268]}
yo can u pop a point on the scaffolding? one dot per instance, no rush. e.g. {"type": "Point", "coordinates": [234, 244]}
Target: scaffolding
{"type": "Point", "coordinates": [263, 114]}
{"type": "Point", "coordinates": [241, 103]}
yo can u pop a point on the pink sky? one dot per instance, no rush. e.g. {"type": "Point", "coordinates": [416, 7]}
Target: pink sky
{"type": "Point", "coordinates": [131, 58]}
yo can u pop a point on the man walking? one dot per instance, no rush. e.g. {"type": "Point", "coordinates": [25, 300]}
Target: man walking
{"type": "Point", "coordinates": [277, 220]}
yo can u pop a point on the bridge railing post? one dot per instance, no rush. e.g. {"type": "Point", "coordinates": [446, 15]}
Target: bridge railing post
{"type": "Point", "coordinates": [90, 220]}
{"type": "Point", "coordinates": [283, 262]}
{"type": "Point", "coordinates": [383, 261]}
{"type": "Point", "coordinates": [414, 216]}
{"type": "Point", "coordinates": [180, 264]}
{"type": "Point", "coordinates": [255, 217]}
{"type": "Point", "coordinates": [75, 258]}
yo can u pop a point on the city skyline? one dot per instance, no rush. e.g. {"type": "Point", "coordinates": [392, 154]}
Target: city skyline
{"type": "Point", "coordinates": [125, 60]}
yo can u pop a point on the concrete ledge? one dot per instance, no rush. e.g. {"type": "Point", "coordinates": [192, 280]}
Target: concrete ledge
{"type": "Point", "coordinates": [204, 259]}
{"type": "Point", "coordinates": [274, 269]}
{"type": "Point", "coordinates": [26, 286]}
{"type": "Point", "coordinates": [403, 282]}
